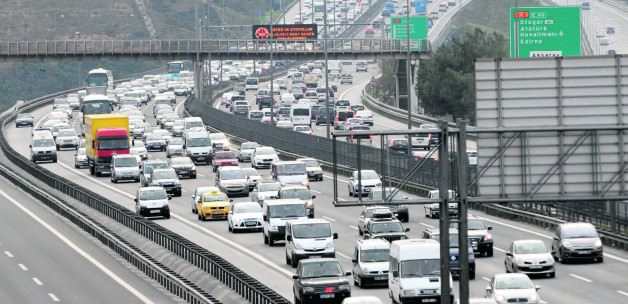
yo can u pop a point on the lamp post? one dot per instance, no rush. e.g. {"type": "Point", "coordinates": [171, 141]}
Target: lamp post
{"type": "Point", "coordinates": [326, 66]}
{"type": "Point", "coordinates": [272, 94]}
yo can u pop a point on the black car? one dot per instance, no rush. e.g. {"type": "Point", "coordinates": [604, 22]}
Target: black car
{"type": "Point", "coordinates": [454, 251]}
{"type": "Point", "coordinates": [577, 241]}
{"type": "Point", "coordinates": [264, 101]}
{"type": "Point", "coordinates": [320, 281]}
{"type": "Point", "coordinates": [166, 178]}
{"type": "Point", "coordinates": [324, 119]}
{"type": "Point", "coordinates": [183, 166]}
{"type": "Point", "coordinates": [357, 107]}
{"type": "Point", "coordinates": [388, 229]}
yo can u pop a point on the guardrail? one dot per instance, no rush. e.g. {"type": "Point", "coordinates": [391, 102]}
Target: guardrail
{"type": "Point", "coordinates": [247, 287]}
{"type": "Point", "coordinates": [214, 48]}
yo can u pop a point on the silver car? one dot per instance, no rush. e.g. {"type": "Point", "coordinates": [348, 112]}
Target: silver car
{"type": "Point", "coordinates": [175, 147]}
{"type": "Point", "coordinates": [530, 257]}
{"type": "Point", "coordinates": [80, 159]}
{"type": "Point", "coordinates": [246, 150]}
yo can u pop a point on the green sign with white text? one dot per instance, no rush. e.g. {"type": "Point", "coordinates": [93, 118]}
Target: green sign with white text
{"type": "Point", "coordinates": [418, 27]}
{"type": "Point", "coordinates": [544, 31]}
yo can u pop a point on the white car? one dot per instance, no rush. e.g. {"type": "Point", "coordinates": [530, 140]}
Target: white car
{"type": "Point", "coordinates": [263, 156]}
{"type": "Point", "coordinates": [125, 167]}
{"type": "Point", "coordinates": [140, 151]}
{"type": "Point", "coordinates": [369, 180]}
{"type": "Point", "coordinates": [530, 257]}
{"type": "Point", "coordinates": [152, 201]}
{"type": "Point", "coordinates": [67, 138]}
{"type": "Point", "coordinates": [252, 177]}
{"type": "Point", "coordinates": [366, 116]}
{"type": "Point", "coordinates": [303, 129]}
{"type": "Point", "coordinates": [264, 191]}
{"type": "Point", "coordinates": [285, 124]}
{"type": "Point", "coordinates": [175, 147]}
{"type": "Point", "coordinates": [245, 216]}
{"type": "Point", "coordinates": [246, 150]}
{"type": "Point", "coordinates": [313, 168]}
{"type": "Point", "coordinates": [507, 288]}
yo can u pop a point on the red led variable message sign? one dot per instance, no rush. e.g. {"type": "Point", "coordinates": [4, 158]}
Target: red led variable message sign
{"type": "Point", "coordinates": [286, 32]}
{"type": "Point", "coordinates": [521, 15]}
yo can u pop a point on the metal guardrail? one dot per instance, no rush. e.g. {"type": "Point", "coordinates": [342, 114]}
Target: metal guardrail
{"type": "Point", "coordinates": [246, 286]}
{"type": "Point", "coordinates": [228, 48]}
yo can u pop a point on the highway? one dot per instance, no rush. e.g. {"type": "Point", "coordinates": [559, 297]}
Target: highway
{"type": "Point", "coordinates": [587, 283]}
{"type": "Point", "coordinates": [45, 259]}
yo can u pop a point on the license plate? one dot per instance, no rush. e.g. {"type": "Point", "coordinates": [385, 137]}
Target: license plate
{"type": "Point", "coordinates": [328, 296]}
{"type": "Point", "coordinates": [381, 278]}
{"type": "Point", "coordinates": [535, 267]}
{"type": "Point", "coordinates": [251, 223]}
{"type": "Point", "coordinates": [585, 252]}
{"type": "Point", "coordinates": [155, 211]}
{"type": "Point", "coordinates": [428, 301]}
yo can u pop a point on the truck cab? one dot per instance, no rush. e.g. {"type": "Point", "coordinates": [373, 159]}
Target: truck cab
{"type": "Point", "coordinates": [105, 135]}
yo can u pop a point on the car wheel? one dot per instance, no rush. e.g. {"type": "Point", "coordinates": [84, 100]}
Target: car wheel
{"type": "Point", "coordinates": [229, 227]}
{"type": "Point", "coordinates": [288, 262]}
{"type": "Point", "coordinates": [561, 258]}
{"type": "Point", "coordinates": [200, 218]}
{"type": "Point", "coordinates": [600, 260]}
{"type": "Point", "coordinates": [265, 239]}
{"type": "Point", "coordinates": [294, 261]}
{"type": "Point", "coordinates": [167, 215]}
{"type": "Point", "coordinates": [296, 300]}
{"type": "Point", "coordinates": [271, 242]}
{"type": "Point", "coordinates": [193, 210]}
{"type": "Point", "coordinates": [552, 274]}
{"type": "Point", "coordinates": [489, 252]}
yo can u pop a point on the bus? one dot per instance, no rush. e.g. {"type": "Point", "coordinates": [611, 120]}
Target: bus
{"type": "Point", "coordinates": [100, 78]}
{"type": "Point", "coordinates": [300, 114]}
{"type": "Point", "coordinates": [175, 67]}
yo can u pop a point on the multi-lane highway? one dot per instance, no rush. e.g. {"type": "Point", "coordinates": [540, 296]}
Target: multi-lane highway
{"type": "Point", "coordinates": [587, 283]}
{"type": "Point", "coordinates": [45, 259]}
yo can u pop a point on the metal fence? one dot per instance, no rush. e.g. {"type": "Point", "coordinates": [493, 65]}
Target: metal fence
{"type": "Point", "coordinates": [246, 286]}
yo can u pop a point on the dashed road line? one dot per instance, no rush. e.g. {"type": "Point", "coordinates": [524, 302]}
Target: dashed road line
{"type": "Point", "coordinates": [37, 281]}
{"type": "Point", "coordinates": [9, 254]}
{"type": "Point", "coordinates": [353, 227]}
{"type": "Point", "coordinates": [575, 276]}
{"type": "Point", "coordinates": [23, 267]}
{"type": "Point", "coordinates": [342, 255]}
{"type": "Point", "coordinates": [427, 225]}
{"type": "Point", "coordinates": [623, 293]}
{"type": "Point", "coordinates": [53, 297]}
{"type": "Point", "coordinates": [486, 279]}
{"type": "Point", "coordinates": [328, 218]}
{"type": "Point", "coordinates": [500, 250]}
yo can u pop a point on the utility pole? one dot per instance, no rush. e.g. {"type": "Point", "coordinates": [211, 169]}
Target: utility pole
{"type": "Point", "coordinates": [272, 94]}
{"type": "Point", "coordinates": [326, 67]}
{"type": "Point", "coordinates": [463, 240]}
{"type": "Point", "coordinates": [443, 191]}
{"type": "Point", "coordinates": [408, 68]}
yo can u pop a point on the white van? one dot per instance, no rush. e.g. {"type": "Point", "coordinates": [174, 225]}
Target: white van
{"type": "Point", "coordinates": [433, 210]}
{"type": "Point", "coordinates": [251, 83]}
{"type": "Point", "coordinates": [193, 123]}
{"type": "Point", "coordinates": [300, 114]}
{"type": "Point", "coordinates": [276, 213]}
{"type": "Point", "coordinates": [414, 273]}
{"type": "Point", "coordinates": [290, 173]}
{"type": "Point", "coordinates": [43, 147]}
{"type": "Point", "coordinates": [309, 238]}
{"type": "Point", "coordinates": [197, 146]}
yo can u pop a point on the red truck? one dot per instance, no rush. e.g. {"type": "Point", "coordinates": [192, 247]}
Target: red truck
{"type": "Point", "coordinates": [105, 135]}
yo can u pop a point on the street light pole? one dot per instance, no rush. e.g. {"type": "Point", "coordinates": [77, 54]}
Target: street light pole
{"type": "Point", "coordinates": [326, 67]}
{"type": "Point", "coordinates": [408, 68]}
{"type": "Point", "coordinates": [272, 94]}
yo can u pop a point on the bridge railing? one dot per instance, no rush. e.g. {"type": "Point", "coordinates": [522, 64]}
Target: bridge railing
{"type": "Point", "coordinates": [187, 46]}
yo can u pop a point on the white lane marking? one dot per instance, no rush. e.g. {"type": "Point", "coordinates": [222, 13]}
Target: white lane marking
{"type": "Point", "coordinates": [328, 218]}
{"type": "Point", "coordinates": [342, 255]}
{"type": "Point", "coordinates": [9, 254]}
{"type": "Point", "coordinates": [427, 225]}
{"type": "Point", "coordinates": [23, 267]}
{"type": "Point", "coordinates": [575, 276]}
{"type": "Point", "coordinates": [351, 88]}
{"type": "Point", "coordinates": [499, 249]}
{"type": "Point", "coordinates": [232, 244]}
{"type": "Point", "coordinates": [37, 281]}
{"type": "Point", "coordinates": [53, 297]}
{"type": "Point", "coordinates": [486, 279]}
{"type": "Point", "coordinates": [353, 227]}
{"type": "Point", "coordinates": [77, 249]}
{"type": "Point", "coordinates": [608, 255]}
{"type": "Point", "coordinates": [316, 191]}
{"type": "Point", "coordinates": [623, 293]}
{"type": "Point", "coordinates": [340, 180]}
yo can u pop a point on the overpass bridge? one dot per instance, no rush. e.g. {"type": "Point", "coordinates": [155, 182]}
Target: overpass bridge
{"type": "Point", "coordinates": [226, 49]}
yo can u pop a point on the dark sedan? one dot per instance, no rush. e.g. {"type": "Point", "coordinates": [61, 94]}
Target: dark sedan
{"type": "Point", "coordinates": [320, 281]}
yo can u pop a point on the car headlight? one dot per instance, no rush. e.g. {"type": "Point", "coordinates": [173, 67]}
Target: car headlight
{"type": "Point", "coordinates": [409, 292]}
{"type": "Point", "coordinates": [597, 244]}
{"type": "Point", "coordinates": [378, 184]}
{"type": "Point", "coordinates": [568, 245]}
{"type": "Point", "coordinates": [193, 168]}
{"type": "Point", "coordinates": [308, 289]}
{"type": "Point", "coordinates": [330, 245]}
{"type": "Point", "coordinates": [500, 299]}
{"type": "Point", "coordinates": [533, 299]}
{"type": "Point", "coordinates": [344, 287]}
{"type": "Point", "coordinates": [274, 228]}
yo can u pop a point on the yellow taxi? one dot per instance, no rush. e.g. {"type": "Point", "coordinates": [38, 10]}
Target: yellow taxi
{"type": "Point", "coordinates": [213, 204]}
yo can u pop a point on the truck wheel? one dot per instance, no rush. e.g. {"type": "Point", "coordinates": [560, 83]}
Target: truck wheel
{"type": "Point", "coordinates": [489, 251]}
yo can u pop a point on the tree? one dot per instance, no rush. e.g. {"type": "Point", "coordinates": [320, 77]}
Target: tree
{"type": "Point", "coordinates": [445, 81]}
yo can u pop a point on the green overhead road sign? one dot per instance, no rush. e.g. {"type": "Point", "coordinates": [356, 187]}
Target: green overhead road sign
{"type": "Point", "coordinates": [544, 31]}
{"type": "Point", "coordinates": [418, 27]}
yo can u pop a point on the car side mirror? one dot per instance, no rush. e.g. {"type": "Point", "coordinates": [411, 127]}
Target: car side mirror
{"type": "Point", "coordinates": [265, 217]}
{"type": "Point", "coordinates": [289, 238]}
{"type": "Point", "coordinates": [556, 238]}
{"type": "Point", "coordinates": [313, 196]}
{"type": "Point", "coordinates": [295, 276]}
{"type": "Point", "coordinates": [395, 273]}
{"type": "Point", "coordinates": [489, 228]}
{"type": "Point", "coordinates": [407, 230]}
{"type": "Point", "coordinates": [488, 290]}
{"type": "Point", "coordinates": [231, 200]}
{"type": "Point", "coordinates": [335, 235]}
{"type": "Point", "coordinates": [135, 199]}
{"type": "Point", "coordinates": [509, 254]}
{"type": "Point", "coordinates": [537, 287]}
{"type": "Point", "coordinates": [354, 260]}
{"type": "Point", "coordinates": [348, 273]}
{"type": "Point", "coordinates": [30, 146]}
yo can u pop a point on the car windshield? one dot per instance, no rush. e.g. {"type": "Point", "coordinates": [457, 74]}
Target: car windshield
{"type": "Point", "coordinates": [476, 225]}
{"type": "Point", "coordinates": [386, 227]}
{"type": "Point", "coordinates": [194, 124]}
{"type": "Point", "coordinates": [311, 231]}
{"type": "Point", "coordinates": [198, 142]}
{"type": "Point", "coordinates": [298, 193]}
{"type": "Point", "coordinates": [291, 169]}
{"type": "Point", "coordinates": [248, 145]}
{"type": "Point", "coordinates": [126, 162]}
{"type": "Point", "coordinates": [225, 155]}
{"type": "Point", "coordinates": [310, 162]}
{"type": "Point", "coordinates": [321, 269]}
{"type": "Point", "coordinates": [366, 175]}
{"type": "Point", "coordinates": [580, 232]}
{"type": "Point", "coordinates": [513, 282]}
{"type": "Point", "coordinates": [231, 174]}
{"type": "Point", "coordinates": [217, 136]}
{"type": "Point", "coordinates": [215, 197]}
{"type": "Point", "coordinates": [265, 151]}
{"type": "Point", "coordinates": [64, 133]}
{"type": "Point", "coordinates": [530, 248]}
{"type": "Point", "coordinates": [43, 143]}
{"type": "Point", "coordinates": [420, 268]}
{"type": "Point", "coordinates": [374, 255]}
{"type": "Point", "coordinates": [164, 174]}
{"type": "Point", "coordinates": [288, 210]}
{"type": "Point", "coordinates": [263, 187]}
{"type": "Point", "coordinates": [181, 161]}
{"type": "Point", "coordinates": [178, 141]}
{"type": "Point", "coordinates": [153, 194]}
{"type": "Point", "coordinates": [247, 208]}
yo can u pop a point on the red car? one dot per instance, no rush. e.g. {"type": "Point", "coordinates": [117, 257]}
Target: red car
{"type": "Point", "coordinates": [224, 158]}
